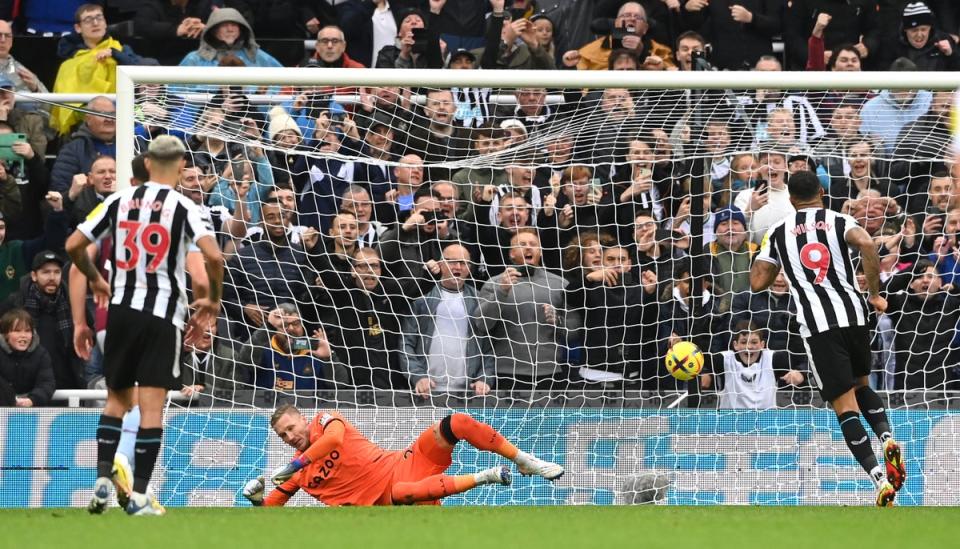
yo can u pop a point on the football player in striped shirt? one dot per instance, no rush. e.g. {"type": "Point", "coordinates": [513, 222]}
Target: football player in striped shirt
{"type": "Point", "coordinates": [152, 227]}
{"type": "Point", "coordinates": [814, 247]}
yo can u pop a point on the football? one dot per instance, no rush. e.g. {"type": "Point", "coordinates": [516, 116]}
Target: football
{"type": "Point", "coordinates": [684, 361]}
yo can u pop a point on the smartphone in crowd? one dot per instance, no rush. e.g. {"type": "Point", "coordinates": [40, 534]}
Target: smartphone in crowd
{"type": "Point", "coordinates": [300, 344]}
{"type": "Point", "coordinates": [420, 40]}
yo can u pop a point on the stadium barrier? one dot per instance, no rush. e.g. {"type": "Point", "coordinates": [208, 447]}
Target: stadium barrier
{"type": "Point", "coordinates": [781, 457]}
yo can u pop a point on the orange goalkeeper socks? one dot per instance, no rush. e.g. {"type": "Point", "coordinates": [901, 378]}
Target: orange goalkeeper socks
{"type": "Point", "coordinates": [481, 436]}
{"type": "Point", "coordinates": [431, 488]}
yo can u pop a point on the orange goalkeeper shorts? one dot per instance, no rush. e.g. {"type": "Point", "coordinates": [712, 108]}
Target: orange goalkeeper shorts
{"type": "Point", "coordinates": [424, 458]}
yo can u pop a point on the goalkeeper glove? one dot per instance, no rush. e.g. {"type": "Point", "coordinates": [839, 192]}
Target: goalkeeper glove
{"type": "Point", "coordinates": [284, 473]}
{"type": "Point", "coordinates": [253, 491]}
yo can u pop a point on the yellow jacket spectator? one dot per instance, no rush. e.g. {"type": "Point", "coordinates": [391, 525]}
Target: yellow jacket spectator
{"type": "Point", "coordinates": [90, 66]}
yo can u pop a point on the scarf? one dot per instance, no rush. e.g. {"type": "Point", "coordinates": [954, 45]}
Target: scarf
{"type": "Point", "coordinates": [38, 303]}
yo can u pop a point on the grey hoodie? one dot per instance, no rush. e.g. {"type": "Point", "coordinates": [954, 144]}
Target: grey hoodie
{"type": "Point", "coordinates": [246, 42]}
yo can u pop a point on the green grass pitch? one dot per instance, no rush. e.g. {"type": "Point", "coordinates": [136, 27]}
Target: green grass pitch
{"type": "Point", "coordinates": [491, 528]}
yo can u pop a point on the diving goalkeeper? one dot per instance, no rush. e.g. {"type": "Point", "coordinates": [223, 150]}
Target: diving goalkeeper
{"type": "Point", "coordinates": [337, 465]}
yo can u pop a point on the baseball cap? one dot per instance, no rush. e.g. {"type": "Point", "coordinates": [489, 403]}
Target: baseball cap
{"type": "Point", "coordinates": [462, 52]}
{"type": "Point", "coordinates": [800, 155]}
{"type": "Point", "coordinates": [45, 257]}
{"type": "Point", "coordinates": [511, 123]}
{"type": "Point", "coordinates": [381, 119]}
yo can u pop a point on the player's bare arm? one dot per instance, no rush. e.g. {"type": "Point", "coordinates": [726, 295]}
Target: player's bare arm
{"type": "Point", "coordinates": [77, 294]}
{"type": "Point", "coordinates": [871, 265]}
{"type": "Point", "coordinates": [77, 249]}
{"type": "Point", "coordinates": [207, 306]}
{"type": "Point", "coordinates": [213, 260]}
{"type": "Point", "coordinates": [762, 275]}
{"type": "Point", "coordinates": [199, 281]}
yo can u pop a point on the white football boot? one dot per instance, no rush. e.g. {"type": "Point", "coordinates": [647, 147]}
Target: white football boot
{"type": "Point", "coordinates": [144, 505]}
{"type": "Point", "coordinates": [101, 494]}
{"type": "Point", "coordinates": [495, 475]}
{"type": "Point", "coordinates": [528, 464]}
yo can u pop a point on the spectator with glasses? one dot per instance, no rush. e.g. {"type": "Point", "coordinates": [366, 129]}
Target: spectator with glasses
{"type": "Point", "coordinates": [331, 50]}
{"type": "Point", "coordinates": [363, 323]}
{"type": "Point", "coordinates": [95, 137]}
{"type": "Point", "coordinates": [22, 78]}
{"type": "Point", "coordinates": [632, 23]}
{"type": "Point", "coordinates": [91, 57]}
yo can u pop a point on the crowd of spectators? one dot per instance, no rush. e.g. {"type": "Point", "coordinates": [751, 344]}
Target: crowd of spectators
{"type": "Point", "coordinates": [363, 254]}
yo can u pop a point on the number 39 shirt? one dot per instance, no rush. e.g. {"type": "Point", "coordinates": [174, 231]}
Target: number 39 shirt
{"type": "Point", "coordinates": [153, 226]}
{"type": "Point", "coordinates": [811, 248]}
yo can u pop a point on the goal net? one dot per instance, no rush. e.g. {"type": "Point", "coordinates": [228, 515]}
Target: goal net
{"type": "Point", "coordinates": [529, 246]}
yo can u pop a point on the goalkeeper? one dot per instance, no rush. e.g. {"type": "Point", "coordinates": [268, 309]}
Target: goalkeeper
{"type": "Point", "coordinates": [337, 465]}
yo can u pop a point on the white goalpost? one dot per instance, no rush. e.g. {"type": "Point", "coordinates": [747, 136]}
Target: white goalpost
{"type": "Point", "coordinates": [624, 165]}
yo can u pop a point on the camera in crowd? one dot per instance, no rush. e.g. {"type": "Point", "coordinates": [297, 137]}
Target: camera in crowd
{"type": "Point", "coordinates": [699, 61]}
{"type": "Point", "coordinates": [433, 217]}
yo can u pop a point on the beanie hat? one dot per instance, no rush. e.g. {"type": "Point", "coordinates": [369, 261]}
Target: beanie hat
{"type": "Point", "coordinates": [279, 121]}
{"type": "Point", "coordinates": [731, 213]}
{"type": "Point", "coordinates": [403, 13]}
{"type": "Point", "coordinates": [916, 14]}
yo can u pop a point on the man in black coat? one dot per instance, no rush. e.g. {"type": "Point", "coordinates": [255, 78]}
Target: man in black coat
{"type": "Point", "coordinates": [925, 314]}
{"type": "Point", "coordinates": [407, 249]}
{"type": "Point", "coordinates": [363, 324]}
{"type": "Point", "coordinates": [741, 31]}
{"type": "Point", "coordinates": [44, 296]}
{"type": "Point", "coordinates": [620, 320]}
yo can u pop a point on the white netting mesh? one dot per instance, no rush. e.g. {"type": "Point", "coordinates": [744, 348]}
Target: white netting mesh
{"type": "Point", "coordinates": [613, 198]}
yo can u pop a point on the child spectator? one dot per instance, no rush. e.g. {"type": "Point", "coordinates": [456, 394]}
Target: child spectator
{"type": "Point", "coordinates": [91, 58]}
{"type": "Point", "coordinates": [748, 376]}
{"type": "Point", "coordinates": [26, 375]}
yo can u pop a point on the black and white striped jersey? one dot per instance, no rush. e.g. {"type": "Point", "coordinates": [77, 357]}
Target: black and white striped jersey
{"type": "Point", "coordinates": [216, 218]}
{"type": "Point", "coordinates": [153, 227]}
{"type": "Point", "coordinates": [811, 248]}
